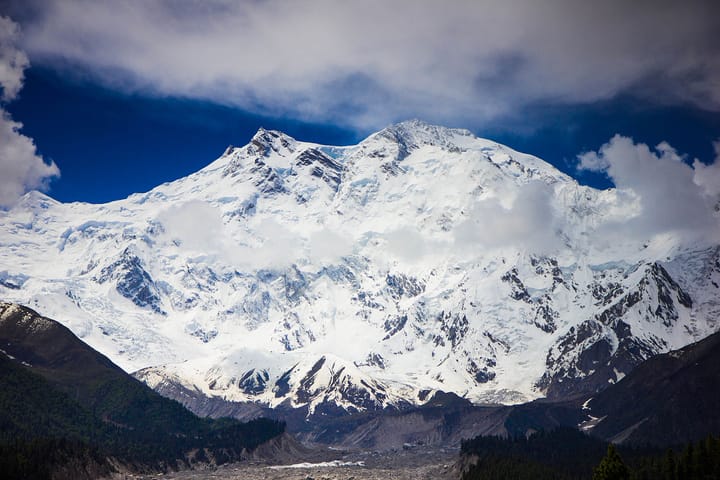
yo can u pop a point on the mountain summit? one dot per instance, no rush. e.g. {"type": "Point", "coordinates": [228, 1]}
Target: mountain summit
{"type": "Point", "coordinates": [423, 259]}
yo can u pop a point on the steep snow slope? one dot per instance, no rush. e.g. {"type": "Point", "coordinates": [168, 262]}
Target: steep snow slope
{"type": "Point", "coordinates": [423, 258]}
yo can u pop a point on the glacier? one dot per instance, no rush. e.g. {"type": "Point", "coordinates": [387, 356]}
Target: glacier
{"type": "Point", "coordinates": [422, 259]}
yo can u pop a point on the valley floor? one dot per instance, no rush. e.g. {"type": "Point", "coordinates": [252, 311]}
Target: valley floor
{"type": "Point", "coordinates": [415, 463]}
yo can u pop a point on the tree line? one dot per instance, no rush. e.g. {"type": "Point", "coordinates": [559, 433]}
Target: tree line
{"type": "Point", "coordinates": [568, 454]}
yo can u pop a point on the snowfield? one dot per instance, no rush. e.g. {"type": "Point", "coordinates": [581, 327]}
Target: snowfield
{"type": "Point", "coordinates": [293, 274]}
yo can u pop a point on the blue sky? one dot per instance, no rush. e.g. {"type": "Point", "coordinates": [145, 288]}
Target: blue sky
{"type": "Point", "coordinates": [109, 145]}
{"type": "Point", "coordinates": [122, 96]}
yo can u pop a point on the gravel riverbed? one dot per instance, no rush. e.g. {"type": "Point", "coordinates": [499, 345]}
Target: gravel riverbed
{"type": "Point", "coordinates": [414, 463]}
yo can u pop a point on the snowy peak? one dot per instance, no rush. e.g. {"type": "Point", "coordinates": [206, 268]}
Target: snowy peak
{"type": "Point", "coordinates": [34, 201]}
{"type": "Point", "coordinates": [331, 382]}
{"type": "Point", "coordinates": [413, 134]}
{"type": "Point", "coordinates": [320, 165]}
{"type": "Point", "coordinates": [399, 141]}
{"type": "Point", "coordinates": [254, 157]}
{"type": "Point", "coordinates": [421, 259]}
{"type": "Point", "coordinates": [266, 142]}
{"type": "Point", "coordinates": [319, 384]}
{"type": "Point", "coordinates": [634, 323]}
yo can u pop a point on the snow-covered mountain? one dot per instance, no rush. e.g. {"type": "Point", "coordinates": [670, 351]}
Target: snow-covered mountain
{"type": "Point", "coordinates": [293, 274]}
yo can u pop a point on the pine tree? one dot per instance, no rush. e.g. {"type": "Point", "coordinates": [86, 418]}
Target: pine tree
{"type": "Point", "coordinates": [611, 467]}
{"type": "Point", "coordinates": [669, 466]}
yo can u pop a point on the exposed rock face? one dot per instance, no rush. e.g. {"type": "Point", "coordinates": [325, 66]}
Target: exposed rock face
{"type": "Point", "coordinates": [667, 400]}
{"type": "Point", "coordinates": [132, 281]}
{"type": "Point", "coordinates": [629, 329]}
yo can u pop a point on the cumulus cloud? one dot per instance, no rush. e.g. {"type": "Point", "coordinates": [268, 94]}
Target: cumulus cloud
{"type": "Point", "coordinates": [658, 192]}
{"type": "Point", "coordinates": [372, 62]}
{"type": "Point", "coordinates": [328, 246]}
{"type": "Point", "coordinates": [526, 219]}
{"type": "Point", "coordinates": [673, 195]}
{"type": "Point", "coordinates": [21, 168]}
{"type": "Point", "coordinates": [514, 216]}
{"type": "Point", "coordinates": [198, 229]}
{"type": "Point", "coordinates": [408, 245]}
{"type": "Point", "coordinates": [13, 62]}
{"type": "Point", "coordinates": [708, 176]}
{"type": "Point", "coordinates": [278, 246]}
{"type": "Point", "coordinates": [195, 226]}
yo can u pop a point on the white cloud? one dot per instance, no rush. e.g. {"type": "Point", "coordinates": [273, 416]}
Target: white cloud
{"type": "Point", "coordinates": [526, 220]}
{"type": "Point", "coordinates": [673, 195]}
{"type": "Point", "coordinates": [198, 229]}
{"type": "Point", "coordinates": [409, 245]}
{"type": "Point", "coordinates": [21, 168]}
{"type": "Point", "coordinates": [592, 162]}
{"type": "Point", "coordinates": [708, 176]}
{"type": "Point", "coordinates": [195, 226]}
{"type": "Point", "coordinates": [13, 62]}
{"type": "Point", "coordinates": [327, 246]}
{"type": "Point", "coordinates": [372, 62]}
{"type": "Point", "coordinates": [518, 217]}
{"type": "Point", "coordinates": [278, 247]}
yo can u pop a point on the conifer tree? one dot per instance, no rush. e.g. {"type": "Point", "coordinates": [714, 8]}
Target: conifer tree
{"type": "Point", "coordinates": [611, 467]}
{"type": "Point", "coordinates": [669, 466]}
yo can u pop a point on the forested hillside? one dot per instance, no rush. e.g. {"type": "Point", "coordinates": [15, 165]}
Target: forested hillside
{"type": "Point", "coordinates": [62, 403]}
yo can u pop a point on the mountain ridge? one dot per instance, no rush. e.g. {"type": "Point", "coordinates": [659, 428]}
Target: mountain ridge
{"type": "Point", "coordinates": [422, 259]}
{"type": "Point", "coordinates": [670, 396]}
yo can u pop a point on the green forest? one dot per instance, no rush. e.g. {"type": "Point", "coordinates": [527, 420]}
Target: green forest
{"type": "Point", "coordinates": [568, 454]}
{"type": "Point", "coordinates": [44, 430]}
